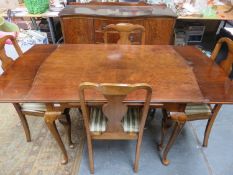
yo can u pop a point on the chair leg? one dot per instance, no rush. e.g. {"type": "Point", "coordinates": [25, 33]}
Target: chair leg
{"type": "Point", "coordinates": [80, 111]}
{"type": "Point", "coordinates": [177, 129]}
{"type": "Point", "coordinates": [137, 156]}
{"type": "Point", "coordinates": [210, 124]}
{"type": "Point", "coordinates": [163, 129]}
{"type": "Point", "coordinates": [23, 121]}
{"type": "Point", "coordinates": [90, 153]}
{"type": "Point", "coordinates": [50, 118]}
{"type": "Point", "coordinates": [150, 117]}
{"type": "Point", "coordinates": [67, 126]}
{"type": "Point", "coordinates": [151, 114]}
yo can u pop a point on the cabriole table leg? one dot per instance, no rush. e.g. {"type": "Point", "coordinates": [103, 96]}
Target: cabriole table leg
{"type": "Point", "coordinates": [50, 118]}
{"type": "Point", "coordinates": [180, 119]}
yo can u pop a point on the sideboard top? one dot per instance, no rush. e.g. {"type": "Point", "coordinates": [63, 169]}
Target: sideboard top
{"type": "Point", "coordinates": [117, 11]}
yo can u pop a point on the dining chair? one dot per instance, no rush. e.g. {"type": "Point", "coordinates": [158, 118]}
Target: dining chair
{"type": "Point", "coordinates": [197, 111]}
{"type": "Point", "coordinates": [125, 30]}
{"type": "Point", "coordinates": [128, 33]}
{"type": "Point", "coordinates": [114, 120]}
{"type": "Point", "coordinates": [32, 109]}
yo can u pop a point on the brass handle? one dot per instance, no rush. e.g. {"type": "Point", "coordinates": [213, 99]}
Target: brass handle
{"type": "Point", "coordinates": [103, 25]}
{"type": "Point", "coordinates": [131, 38]}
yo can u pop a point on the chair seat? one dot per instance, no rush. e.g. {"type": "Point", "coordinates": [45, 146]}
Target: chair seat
{"type": "Point", "coordinates": [33, 107]}
{"type": "Point", "coordinates": [98, 121]}
{"type": "Point", "coordinates": [198, 110]}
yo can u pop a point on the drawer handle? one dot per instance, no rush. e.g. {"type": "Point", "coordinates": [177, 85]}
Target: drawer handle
{"type": "Point", "coordinates": [131, 38]}
{"type": "Point", "coordinates": [103, 26]}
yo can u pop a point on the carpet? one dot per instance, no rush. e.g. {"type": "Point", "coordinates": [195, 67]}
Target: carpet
{"type": "Point", "coordinates": [42, 156]}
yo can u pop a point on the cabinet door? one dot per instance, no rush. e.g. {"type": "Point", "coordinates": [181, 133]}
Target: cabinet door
{"type": "Point", "coordinates": [77, 30]}
{"type": "Point", "coordinates": [99, 25]}
{"type": "Point", "coordinates": [159, 30]}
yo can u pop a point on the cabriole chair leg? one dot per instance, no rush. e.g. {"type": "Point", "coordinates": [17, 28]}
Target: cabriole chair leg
{"type": "Point", "coordinates": [210, 124]}
{"type": "Point", "coordinates": [90, 154]}
{"type": "Point", "coordinates": [23, 121]}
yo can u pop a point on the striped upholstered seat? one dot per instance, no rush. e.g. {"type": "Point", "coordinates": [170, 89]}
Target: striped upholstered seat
{"type": "Point", "coordinates": [198, 110]}
{"type": "Point", "coordinates": [33, 107]}
{"type": "Point", "coordinates": [98, 121]}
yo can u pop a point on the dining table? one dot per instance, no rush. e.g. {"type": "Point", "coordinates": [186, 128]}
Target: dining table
{"type": "Point", "coordinates": [51, 74]}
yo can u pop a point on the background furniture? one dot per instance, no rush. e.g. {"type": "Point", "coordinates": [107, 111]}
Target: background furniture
{"type": "Point", "coordinates": [226, 30]}
{"type": "Point", "coordinates": [211, 23]}
{"type": "Point", "coordinates": [21, 12]}
{"type": "Point", "coordinates": [197, 111]}
{"type": "Point", "coordinates": [220, 15]}
{"type": "Point", "coordinates": [114, 120]}
{"type": "Point", "coordinates": [122, 3]}
{"type": "Point", "coordinates": [84, 24]}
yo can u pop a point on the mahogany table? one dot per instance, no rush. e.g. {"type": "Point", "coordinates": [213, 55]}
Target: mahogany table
{"type": "Point", "coordinates": [52, 74]}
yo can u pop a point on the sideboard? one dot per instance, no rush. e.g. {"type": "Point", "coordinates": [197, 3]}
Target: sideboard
{"type": "Point", "coordinates": [84, 24]}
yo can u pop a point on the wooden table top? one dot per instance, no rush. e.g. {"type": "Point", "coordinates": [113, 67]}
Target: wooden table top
{"type": "Point", "coordinates": [52, 73]}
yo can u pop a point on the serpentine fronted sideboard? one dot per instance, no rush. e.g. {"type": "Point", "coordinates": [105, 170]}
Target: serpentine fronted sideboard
{"type": "Point", "coordinates": [84, 24]}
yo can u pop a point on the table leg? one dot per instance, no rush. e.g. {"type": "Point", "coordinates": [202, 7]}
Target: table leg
{"type": "Point", "coordinates": [50, 118]}
{"type": "Point", "coordinates": [67, 126]}
{"type": "Point", "coordinates": [51, 29]}
{"type": "Point", "coordinates": [177, 129]}
{"type": "Point", "coordinates": [164, 129]}
{"type": "Point", "coordinates": [180, 119]}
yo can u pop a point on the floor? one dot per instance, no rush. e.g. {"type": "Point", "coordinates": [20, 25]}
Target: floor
{"type": "Point", "coordinates": [42, 155]}
{"type": "Point", "coordinates": [187, 156]}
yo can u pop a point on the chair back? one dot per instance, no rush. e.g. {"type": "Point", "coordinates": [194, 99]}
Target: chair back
{"type": "Point", "coordinates": [127, 32]}
{"type": "Point", "coordinates": [7, 61]}
{"type": "Point", "coordinates": [226, 63]}
{"type": "Point", "coordinates": [114, 109]}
